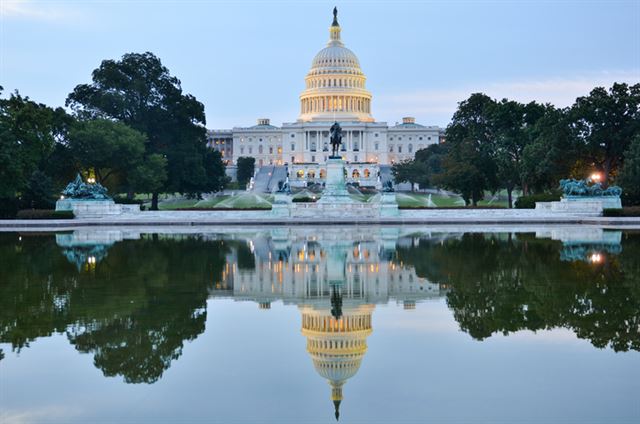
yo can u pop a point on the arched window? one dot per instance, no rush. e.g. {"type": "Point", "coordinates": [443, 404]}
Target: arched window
{"type": "Point", "coordinates": [260, 149]}
{"type": "Point", "coordinates": [311, 174]}
{"type": "Point", "coordinates": [367, 173]}
{"type": "Point", "coordinates": [323, 173]}
{"type": "Point", "coordinates": [355, 174]}
{"type": "Point", "coordinates": [300, 173]}
{"type": "Point", "coordinates": [410, 148]}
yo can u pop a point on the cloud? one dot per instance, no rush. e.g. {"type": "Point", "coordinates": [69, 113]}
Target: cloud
{"type": "Point", "coordinates": [438, 105]}
{"type": "Point", "coordinates": [52, 413]}
{"type": "Point", "coordinates": [36, 10]}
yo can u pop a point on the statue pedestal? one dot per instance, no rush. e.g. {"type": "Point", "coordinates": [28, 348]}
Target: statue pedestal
{"type": "Point", "coordinates": [389, 205]}
{"type": "Point", "coordinates": [282, 204]}
{"type": "Point", "coordinates": [335, 190]}
{"type": "Point", "coordinates": [94, 208]}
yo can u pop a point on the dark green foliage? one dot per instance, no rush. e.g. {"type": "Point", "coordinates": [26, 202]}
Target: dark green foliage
{"type": "Point", "coordinates": [246, 168]}
{"type": "Point", "coordinates": [604, 123]}
{"type": "Point", "coordinates": [9, 207]}
{"type": "Point", "coordinates": [140, 92]}
{"type": "Point", "coordinates": [304, 199]}
{"type": "Point", "coordinates": [39, 193]}
{"type": "Point", "coordinates": [629, 178]}
{"type": "Point", "coordinates": [627, 211]}
{"type": "Point", "coordinates": [150, 175]}
{"type": "Point", "coordinates": [108, 148]}
{"type": "Point", "coordinates": [28, 135]}
{"type": "Point", "coordinates": [43, 214]}
{"type": "Point", "coordinates": [529, 202]}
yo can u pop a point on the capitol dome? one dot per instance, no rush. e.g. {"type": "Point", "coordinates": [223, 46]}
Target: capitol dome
{"type": "Point", "coordinates": [337, 344]}
{"type": "Point", "coordinates": [335, 85]}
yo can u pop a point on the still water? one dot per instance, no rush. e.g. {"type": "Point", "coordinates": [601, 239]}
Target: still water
{"type": "Point", "coordinates": [304, 325]}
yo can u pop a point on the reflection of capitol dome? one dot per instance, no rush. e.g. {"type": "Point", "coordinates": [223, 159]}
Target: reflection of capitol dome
{"type": "Point", "coordinates": [337, 345]}
{"type": "Point", "coordinates": [335, 85]}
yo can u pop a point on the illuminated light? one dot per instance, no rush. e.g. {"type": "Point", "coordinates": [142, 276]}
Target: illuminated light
{"type": "Point", "coordinates": [61, 197]}
{"type": "Point", "coordinates": [596, 258]}
{"type": "Point", "coordinates": [596, 176]}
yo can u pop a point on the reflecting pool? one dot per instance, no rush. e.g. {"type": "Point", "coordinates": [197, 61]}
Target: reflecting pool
{"type": "Point", "coordinates": [308, 325]}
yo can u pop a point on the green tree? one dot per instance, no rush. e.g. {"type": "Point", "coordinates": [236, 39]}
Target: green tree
{"type": "Point", "coordinates": [150, 175]}
{"type": "Point", "coordinates": [140, 92]}
{"type": "Point", "coordinates": [411, 171]}
{"type": "Point", "coordinates": [629, 178]}
{"type": "Point", "coordinates": [39, 193]}
{"type": "Point", "coordinates": [246, 168]}
{"type": "Point", "coordinates": [29, 132]}
{"type": "Point", "coordinates": [469, 167]}
{"type": "Point", "coordinates": [108, 148]}
{"type": "Point", "coordinates": [551, 153]}
{"type": "Point", "coordinates": [604, 123]}
{"type": "Point", "coordinates": [511, 122]}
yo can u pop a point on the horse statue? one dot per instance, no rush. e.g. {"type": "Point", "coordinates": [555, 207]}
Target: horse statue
{"type": "Point", "coordinates": [572, 187]}
{"type": "Point", "coordinates": [78, 189]}
{"type": "Point", "coordinates": [335, 133]}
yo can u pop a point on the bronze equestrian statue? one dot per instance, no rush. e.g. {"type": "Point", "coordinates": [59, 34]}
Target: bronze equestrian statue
{"type": "Point", "coordinates": [336, 139]}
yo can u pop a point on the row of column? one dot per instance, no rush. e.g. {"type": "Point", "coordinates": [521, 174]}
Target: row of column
{"type": "Point", "coordinates": [336, 104]}
{"type": "Point", "coordinates": [332, 325]}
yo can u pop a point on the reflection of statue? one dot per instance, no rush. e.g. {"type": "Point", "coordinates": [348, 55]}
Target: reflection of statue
{"type": "Point", "coordinates": [388, 187]}
{"type": "Point", "coordinates": [336, 138]}
{"type": "Point", "coordinates": [78, 189]}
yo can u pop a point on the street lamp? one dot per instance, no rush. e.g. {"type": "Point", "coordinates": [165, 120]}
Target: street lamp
{"type": "Point", "coordinates": [596, 177]}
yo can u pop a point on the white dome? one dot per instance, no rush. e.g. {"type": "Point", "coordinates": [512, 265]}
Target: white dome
{"type": "Point", "coordinates": [335, 85]}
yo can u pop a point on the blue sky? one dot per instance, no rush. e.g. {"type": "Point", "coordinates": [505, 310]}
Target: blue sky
{"type": "Point", "coordinates": [248, 59]}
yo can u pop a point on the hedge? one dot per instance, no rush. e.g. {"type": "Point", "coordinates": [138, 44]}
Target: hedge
{"type": "Point", "coordinates": [529, 202]}
{"type": "Point", "coordinates": [43, 214]}
{"type": "Point", "coordinates": [627, 211]}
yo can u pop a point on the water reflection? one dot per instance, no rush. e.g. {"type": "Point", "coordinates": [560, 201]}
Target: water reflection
{"type": "Point", "coordinates": [132, 300]}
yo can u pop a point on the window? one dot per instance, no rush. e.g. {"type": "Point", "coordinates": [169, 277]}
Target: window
{"type": "Point", "coordinates": [367, 173]}
{"type": "Point", "coordinates": [279, 150]}
{"type": "Point", "coordinates": [311, 174]}
{"type": "Point", "coordinates": [293, 159]}
{"type": "Point", "coordinates": [260, 150]}
{"type": "Point", "coordinates": [356, 146]}
{"type": "Point", "coordinates": [429, 138]}
{"type": "Point", "coordinates": [313, 146]}
{"type": "Point", "coordinates": [270, 150]}
{"type": "Point", "coordinates": [355, 174]}
{"type": "Point", "coordinates": [375, 135]}
{"type": "Point", "coordinates": [293, 146]}
{"type": "Point", "coordinates": [410, 148]}
{"type": "Point", "coordinates": [420, 138]}
{"type": "Point", "coordinates": [390, 138]}
{"type": "Point", "coordinates": [355, 158]}
{"type": "Point", "coordinates": [399, 148]}
{"type": "Point", "coordinates": [250, 150]}
{"type": "Point", "coordinates": [261, 139]}
{"type": "Point", "coordinates": [375, 146]}
{"type": "Point", "coordinates": [313, 158]}
{"type": "Point", "coordinates": [300, 173]}
{"type": "Point", "coordinates": [242, 150]}
{"type": "Point", "coordinates": [293, 135]}
{"type": "Point", "coordinates": [391, 148]}
{"type": "Point", "coordinates": [323, 173]}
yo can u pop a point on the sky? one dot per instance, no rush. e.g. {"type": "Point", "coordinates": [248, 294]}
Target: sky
{"type": "Point", "coordinates": [247, 59]}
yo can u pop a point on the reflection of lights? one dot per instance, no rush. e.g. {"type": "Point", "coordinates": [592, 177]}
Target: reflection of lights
{"type": "Point", "coordinates": [91, 180]}
{"type": "Point", "coordinates": [596, 258]}
{"type": "Point", "coordinates": [91, 260]}
{"type": "Point", "coordinates": [596, 176]}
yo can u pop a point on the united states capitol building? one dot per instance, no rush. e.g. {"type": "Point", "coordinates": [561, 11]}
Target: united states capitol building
{"type": "Point", "coordinates": [335, 91]}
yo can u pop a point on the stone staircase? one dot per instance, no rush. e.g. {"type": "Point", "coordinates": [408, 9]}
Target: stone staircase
{"type": "Point", "coordinates": [267, 178]}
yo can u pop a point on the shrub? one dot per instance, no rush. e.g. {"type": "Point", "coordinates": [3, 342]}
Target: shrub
{"type": "Point", "coordinates": [126, 201]}
{"type": "Point", "coordinates": [9, 208]}
{"type": "Point", "coordinates": [627, 211]}
{"type": "Point", "coordinates": [43, 214]}
{"type": "Point", "coordinates": [304, 199]}
{"type": "Point", "coordinates": [529, 202]}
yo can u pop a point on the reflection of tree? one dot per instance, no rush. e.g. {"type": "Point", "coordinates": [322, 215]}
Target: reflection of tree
{"type": "Point", "coordinates": [133, 310]}
{"type": "Point", "coordinates": [505, 284]}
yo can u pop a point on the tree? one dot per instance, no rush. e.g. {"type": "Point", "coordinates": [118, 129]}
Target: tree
{"type": "Point", "coordinates": [411, 171]}
{"type": "Point", "coordinates": [469, 167]}
{"type": "Point", "coordinates": [604, 123]}
{"type": "Point", "coordinates": [511, 123]}
{"type": "Point", "coordinates": [39, 193]}
{"type": "Point", "coordinates": [150, 175]}
{"type": "Point", "coordinates": [29, 133]}
{"type": "Point", "coordinates": [106, 147]}
{"type": "Point", "coordinates": [551, 153]}
{"type": "Point", "coordinates": [140, 92]}
{"type": "Point", "coordinates": [246, 167]}
{"type": "Point", "coordinates": [629, 178]}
